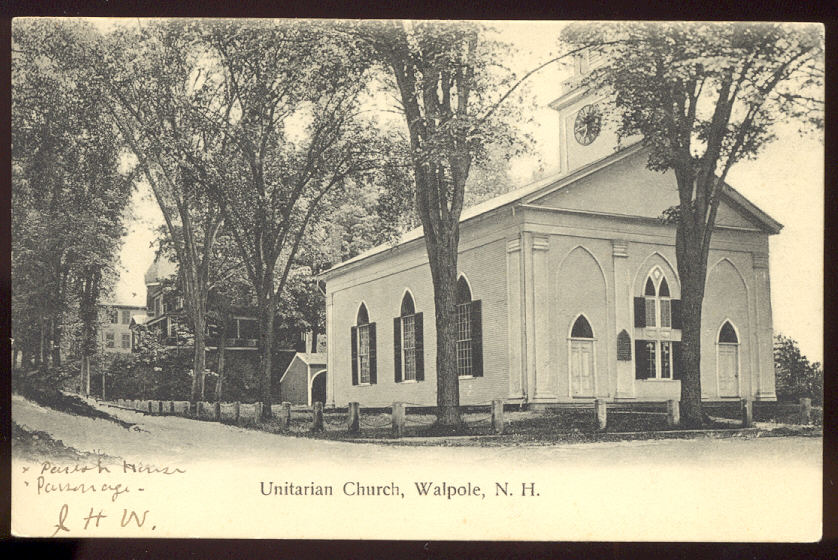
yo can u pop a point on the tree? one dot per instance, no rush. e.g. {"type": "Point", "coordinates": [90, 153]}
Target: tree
{"type": "Point", "coordinates": [701, 97]}
{"type": "Point", "coordinates": [450, 101]}
{"type": "Point", "coordinates": [69, 195]}
{"type": "Point", "coordinates": [149, 76]}
{"type": "Point", "coordinates": [797, 377]}
{"type": "Point", "coordinates": [285, 95]}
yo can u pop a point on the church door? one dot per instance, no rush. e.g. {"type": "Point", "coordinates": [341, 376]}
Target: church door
{"type": "Point", "coordinates": [728, 361]}
{"type": "Point", "coordinates": [728, 370]}
{"type": "Point", "coordinates": [582, 367]}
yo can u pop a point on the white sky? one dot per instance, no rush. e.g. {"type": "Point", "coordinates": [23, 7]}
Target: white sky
{"type": "Point", "coordinates": [786, 181]}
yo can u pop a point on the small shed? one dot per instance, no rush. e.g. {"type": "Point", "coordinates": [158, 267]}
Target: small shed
{"type": "Point", "coordinates": [304, 380]}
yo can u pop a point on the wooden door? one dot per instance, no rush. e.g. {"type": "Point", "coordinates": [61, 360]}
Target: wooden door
{"type": "Point", "coordinates": [582, 368]}
{"type": "Point", "coordinates": [728, 370]}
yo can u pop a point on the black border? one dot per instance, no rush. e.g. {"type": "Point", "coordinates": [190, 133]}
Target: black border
{"type": "Point", "coordinates": [722, 10]}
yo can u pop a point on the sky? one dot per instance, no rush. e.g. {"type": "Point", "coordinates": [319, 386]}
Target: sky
{"type": "Point", "coordinates": [786, 181]}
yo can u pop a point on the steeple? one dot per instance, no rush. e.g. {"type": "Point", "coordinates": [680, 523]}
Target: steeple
{"type": "Point", "coordinates": [584, 134]}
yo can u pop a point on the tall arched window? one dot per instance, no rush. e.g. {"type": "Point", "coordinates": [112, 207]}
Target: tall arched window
{"type": "Point", "coordinates": [469, 332]}
{"type": "Point", "coordinates": [363, 349]}
{"type": "Point", "coordinates": [657, 313]}
{"type": "Point", "coordinates": [408, 342]}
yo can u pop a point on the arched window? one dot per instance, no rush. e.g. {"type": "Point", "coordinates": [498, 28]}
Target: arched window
{"type": "Point", "coordinates": [727, 334]}
{"type": "Point", "coordinates": [363, 317]}
{"type": "Point", "coordinates": [657, 312]}
{"type": "Point", "coordinates": [658, 304]}
{"type": "Point", "coordinates": [581, 328]}
{"type": "Point", "coordinates": [363, 349]}
{"type": "Point", "coordinates": [469, 332]}
{"type": "Point", "coordinates": [408, 342]}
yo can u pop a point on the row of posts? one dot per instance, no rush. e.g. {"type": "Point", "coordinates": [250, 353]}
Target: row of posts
{"type": "Point", "coordinates": [673, 414]}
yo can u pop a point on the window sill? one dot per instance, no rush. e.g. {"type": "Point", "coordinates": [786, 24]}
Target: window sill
{"type": "Point", "coordinates": [364, 385]}
{"type": "Point", "coordinates": [658, 380]}
{"type": "Point", "coordinates": [408, 381]}
{"type": "Point", "coordinates": [461, 377]}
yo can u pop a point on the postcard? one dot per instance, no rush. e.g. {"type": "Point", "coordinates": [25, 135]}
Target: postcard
{"type": "Point", "coordinates": [448, 280]}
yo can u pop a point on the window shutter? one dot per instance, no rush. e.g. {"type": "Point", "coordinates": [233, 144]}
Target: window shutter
{"type": "Point", "coordinates": [420, 347]}
{"type": "Point", "coordinates": [354, 342]}
{"type": "Point", "coordinates": [676, 359]}
{"type": "Point", "coordinates": [639, 312]}
{"type": "Point", "coordinates": [641, 359]}
{"type": "Point", "coordinates": [397, 347]}
{"type": "Point", "coordinates": [476, 339]}
{"type": "Point", "coordinates": [676, 313]}
{"type": "Point", "coordinates": [373, 376]}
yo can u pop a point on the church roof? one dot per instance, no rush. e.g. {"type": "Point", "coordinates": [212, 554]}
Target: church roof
{"type": "Point", "coordinates": [160, 269]}
{"type": "Point", "coordinates": [552, 183]}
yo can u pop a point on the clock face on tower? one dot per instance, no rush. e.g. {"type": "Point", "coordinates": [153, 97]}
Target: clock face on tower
{"type": "Point", "coordinates": [588, 124]}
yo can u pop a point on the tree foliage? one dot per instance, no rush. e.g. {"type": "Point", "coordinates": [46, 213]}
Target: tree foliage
{"type": "Point", "coordinates": [68, 194]}
{"type": "Point", "coordinates": [796, 376]}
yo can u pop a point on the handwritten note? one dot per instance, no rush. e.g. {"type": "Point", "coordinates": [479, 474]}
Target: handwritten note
{"type": "Point", "coordinates": [81, 487]}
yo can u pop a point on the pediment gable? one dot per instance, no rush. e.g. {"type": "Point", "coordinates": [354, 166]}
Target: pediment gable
{"type": "Point", "coordinates": [626, 187]}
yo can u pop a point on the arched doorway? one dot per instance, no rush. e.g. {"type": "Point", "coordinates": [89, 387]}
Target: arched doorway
{"type": "Point", "coordinates": [318, 387]}
{"type": "Point", "coordinates": [728, 361]}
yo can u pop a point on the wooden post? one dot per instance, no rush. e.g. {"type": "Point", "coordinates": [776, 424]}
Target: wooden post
{"type": "Point", "coordinates": [285, 417]}
{"type": "Point", "coordinates": [353, 424]}
{"type": "Point", "coordinates": [317, 417]}
{"type": "Point", "coordinates": [805, 411]}
{"type": "Point", "coordinates": [747, 413]}
{"type": "Point", "coordinates": [237, 411]}
{"type": "Point", "coordinates": [257, 412]}
{"type": "Point", "coordinates": [150, 408]}
{"type": "Point", "coordinates": [673, 413]}
{"type": "Point", "coordinates": [497, 416]}
{"type": "Point", "coordinates": [398, 419]}
{"type": "Point", "coordinates": [601, 410]}
{"type": "Point", "coordinates": [218, 411]}
{"type": "Point", "coordinates": [171, 407]}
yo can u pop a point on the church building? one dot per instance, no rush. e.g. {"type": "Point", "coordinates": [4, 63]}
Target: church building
{"type": "Point", "coordinates": [568, 291]}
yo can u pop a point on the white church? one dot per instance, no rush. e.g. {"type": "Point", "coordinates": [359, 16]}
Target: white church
{"type": "Point", "coordinates": [568, 291]}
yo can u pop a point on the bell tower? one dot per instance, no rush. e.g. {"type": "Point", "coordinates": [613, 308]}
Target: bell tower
{"type": "Point", "coordinates": [584, 134]}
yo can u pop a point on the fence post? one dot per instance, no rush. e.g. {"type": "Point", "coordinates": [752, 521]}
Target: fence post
{"type": "Point", "coordinates": [171, 407]}
{"type": "Point", "coordinates": [747, 413]}
{"type": "Point", "coordinates": [601, 409]}
{"type": "Point", "coordinates": [237, 410]}
{"type": "Point", "coordinates": [317, 417]}
{"type": "Point", "coordinates": [497, 416]}
{"type": "Point", "coordinates": [398, 419]}
{"type": "Point", "coordinates": [285, 417]}
{"type": "Point", "coordinates": [218, 411]}
{"type": "Point", "coordinates": [673, 413]}
{"type": "Point", "coordinates": [805, 411]}
{"type": "Point", "coordinates": [150, 408]}
{"type": "Point", "coordinates": [353, 422]}
{"type": "Point", "coordinates": [257, 411]}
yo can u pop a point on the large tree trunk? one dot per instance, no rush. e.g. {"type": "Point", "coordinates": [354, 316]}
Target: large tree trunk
{"type": "Point", "coordinates": [692, 268]}
{"type": "Point", "coordinates": [442, 257]}
{"type": "Point", "coordinates": [267, 303]}
{"type": "Point", "coordinates": [43, 355]}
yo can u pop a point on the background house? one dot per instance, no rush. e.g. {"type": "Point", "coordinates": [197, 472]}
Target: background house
{"type": "Point", "coordinates": [115, 335]}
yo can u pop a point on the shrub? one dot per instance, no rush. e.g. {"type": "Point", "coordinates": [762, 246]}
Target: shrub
{"type": "Point", "coordinates": [796, 376]}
